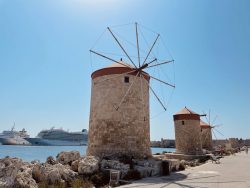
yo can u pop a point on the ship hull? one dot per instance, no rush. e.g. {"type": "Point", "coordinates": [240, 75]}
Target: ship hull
{"type": "Point", "coordinates": [51, 142]}
{"type": "Point", "coordinates": [14, 141]}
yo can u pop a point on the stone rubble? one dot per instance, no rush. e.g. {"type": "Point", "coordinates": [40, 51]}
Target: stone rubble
{"type": "Point", "coordinates": [25, 179]}
{"type": "Point", "coordinates": [88, 165]}
{"type": "Point", "coordinates": [67, 157]}
{"type": "Point", "coordinates": [115, 165]}
{"type": "Point", "coordinates": [53, 174]}
{"type": "Point", "coordinates": [68, 166]}
{"type": "Point", "coordinates": [51, 160]}
{"type": "Point", "coordinates": [9, 168]}
{"type": "Point", "coordinates": [149, 168]}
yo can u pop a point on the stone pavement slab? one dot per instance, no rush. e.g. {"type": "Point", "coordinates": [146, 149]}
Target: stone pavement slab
{"type": "Point", "coordinates": [232, 172]}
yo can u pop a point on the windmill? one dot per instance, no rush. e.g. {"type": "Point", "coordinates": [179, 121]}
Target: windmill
{"type": "Point", "coordinates": [208, 130]}
{"type": "Point", "coordinates": [119, 115]}
{"type": "Point", "coordinates": [187, 132]}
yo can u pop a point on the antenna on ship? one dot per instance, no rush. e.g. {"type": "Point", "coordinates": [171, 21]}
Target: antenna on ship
{"type": "Point", "coordinates": [12, 129]}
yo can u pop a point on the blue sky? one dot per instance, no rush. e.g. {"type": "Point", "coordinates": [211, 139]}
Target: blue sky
{"type": "Point", "coordinates": [45, 63]}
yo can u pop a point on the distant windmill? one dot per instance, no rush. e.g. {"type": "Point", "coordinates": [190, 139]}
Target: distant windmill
{"type": "Point", "coordinates": [187, 132]}
{"type": "Point", "coordinates": [209, 129]}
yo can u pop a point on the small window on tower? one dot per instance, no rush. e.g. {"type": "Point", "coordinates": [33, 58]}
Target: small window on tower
{"type": "Point", "coordinates": [126, 79]}
{"type": "Point", "coordinates": [183, 122]}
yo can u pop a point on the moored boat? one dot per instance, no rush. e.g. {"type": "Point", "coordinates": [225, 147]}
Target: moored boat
{"type": "Point", "coordinates": [13, 137]}
{"type": "Point", "coordinates": [59, 137]}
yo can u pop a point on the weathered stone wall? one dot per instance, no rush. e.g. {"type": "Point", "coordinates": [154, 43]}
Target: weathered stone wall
{"type": "Point", "coordinates": [206, 138]}
{"type": "Point", "coordinates": [125, 131]}
{"type": "Point", "coordinates": [187, 137]}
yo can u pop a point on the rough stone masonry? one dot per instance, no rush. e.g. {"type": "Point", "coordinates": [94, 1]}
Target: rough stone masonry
{"type": "Point", "coordinates": [187, 132]}
{"type": "Point", "coordinates": [122, 131]}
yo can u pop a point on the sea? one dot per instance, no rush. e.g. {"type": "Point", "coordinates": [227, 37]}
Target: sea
{"type": "Point", "coordinates": [30, 153]}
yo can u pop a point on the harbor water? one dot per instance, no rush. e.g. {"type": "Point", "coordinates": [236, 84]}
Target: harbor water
{"type": "Point", "coordinates": [30, 153]}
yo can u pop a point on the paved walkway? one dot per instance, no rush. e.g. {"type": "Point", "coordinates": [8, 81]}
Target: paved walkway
{"type": "Point", "coordinates": [233, 172]}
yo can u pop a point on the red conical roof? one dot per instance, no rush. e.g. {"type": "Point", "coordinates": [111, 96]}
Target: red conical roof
{"type": "Point", "coordinates": [186, 111]}
{"type": "Point", "coordinates": [204, 124]}
{"type": "Point", "coordinates": [186, 114]}
{"type": "Point", "coordinates": [118, 67]}
{"type": "Point", "coordinates": [120, 64]}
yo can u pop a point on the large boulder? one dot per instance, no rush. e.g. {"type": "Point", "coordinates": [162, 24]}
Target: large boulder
{"type": "Point", "coordinates": [38, 172]}
{"type": "Point", "coordinates": [52, 174]}
{"type": "Point", "coordinates": [88, 165]}
{"type": "Point", "coordinates": [9, 168]}
{"type": "Point", "coordinates": [24, 179]}
{"type": "Point", "coordinates": [67, 157]}
{"type": "Point", "coordinates": [74, 165]}
{"type": "Point", "coordinates": [65, 172]}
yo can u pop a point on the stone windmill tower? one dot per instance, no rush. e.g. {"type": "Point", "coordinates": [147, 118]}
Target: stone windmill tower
{"type": "Point", "coordinates": [124, 131]}
{"type": "Point", "coordinates": [206, 135]}
{"type": "Point", "coordinates": [187, 132]}
{"type": "Point", "coordinates": [119, 112]}
{"type": "Point", "coordinates": [207, 131]}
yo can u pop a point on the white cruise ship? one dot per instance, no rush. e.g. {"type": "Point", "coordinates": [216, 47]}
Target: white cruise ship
{"type": "Point", "coordinates": [59, 137]}
{"type": "Point", "coordinates": [13, 137]}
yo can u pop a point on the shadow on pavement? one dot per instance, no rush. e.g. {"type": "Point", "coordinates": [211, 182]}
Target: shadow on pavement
{"type": "Point", "coordinates": [178, 179]}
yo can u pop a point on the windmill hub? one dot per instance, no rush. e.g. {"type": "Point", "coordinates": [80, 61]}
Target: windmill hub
{"type": "Point", "coordinates": [143, 67]}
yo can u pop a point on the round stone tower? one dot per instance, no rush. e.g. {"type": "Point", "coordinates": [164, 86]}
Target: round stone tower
{"type": "Point", "coordinates": [206, 135]}
{"type": "Point", "coordinates": [187, 132]}
{"type": "Point", "coordinates": [119, 113]}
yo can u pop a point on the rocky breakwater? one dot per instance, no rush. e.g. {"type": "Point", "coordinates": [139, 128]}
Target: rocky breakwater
{"type": "Point", "coordinates": [16, 173]}
{"type": "Point", "coordinates": [69, 169]}
{"type": "Point", "coordinates": [63, 171]}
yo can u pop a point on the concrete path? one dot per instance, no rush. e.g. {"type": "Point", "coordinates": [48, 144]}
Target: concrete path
{"type": "Point", "coordinates": [233, 172]}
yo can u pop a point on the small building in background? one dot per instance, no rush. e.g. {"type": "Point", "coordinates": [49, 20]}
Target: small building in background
{"type": "Point", "coordinates": [187, 132]}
